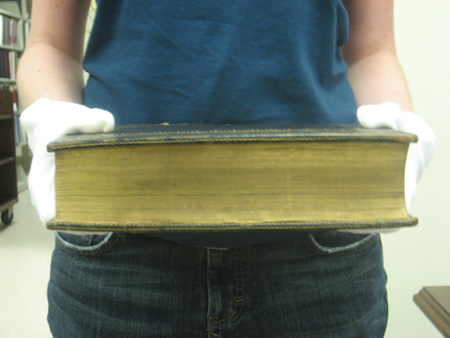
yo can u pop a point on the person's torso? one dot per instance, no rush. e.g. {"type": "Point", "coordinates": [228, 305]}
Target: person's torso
{"type": "Point", "coordinates": [220, 61]}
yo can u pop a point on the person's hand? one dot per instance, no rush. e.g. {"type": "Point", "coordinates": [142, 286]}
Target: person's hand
{"type": "Point", "coordinates": [45, 121]}
{"type": "Point", "coordinates": [389, 115]}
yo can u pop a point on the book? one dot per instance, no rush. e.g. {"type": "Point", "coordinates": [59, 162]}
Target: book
{"type": "Point", "coordinates": [231, 177]}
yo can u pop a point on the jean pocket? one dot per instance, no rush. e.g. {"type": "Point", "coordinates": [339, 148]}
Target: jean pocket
{"type": "Point", "coordinates": [340, 243]}
{"type": "Point", "coordinates": [86, 245]}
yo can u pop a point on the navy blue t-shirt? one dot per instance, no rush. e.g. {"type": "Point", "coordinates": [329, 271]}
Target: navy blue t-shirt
{"type": "Point", "coordinates": [220, 62]}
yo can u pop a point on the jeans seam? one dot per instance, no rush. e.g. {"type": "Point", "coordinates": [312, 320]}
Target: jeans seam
{"type": "Point", "coordinates": [239, 297]}
{"type": "Point", "coordinates": [361, 245]}
{"type": "Point", "coordinates": [111, 242]}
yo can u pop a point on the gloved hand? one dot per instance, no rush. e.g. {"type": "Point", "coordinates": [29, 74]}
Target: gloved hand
{"type": "Point", "coordinates": [45, 121]}
{"type": "Point", "coordinates": [389, 115]}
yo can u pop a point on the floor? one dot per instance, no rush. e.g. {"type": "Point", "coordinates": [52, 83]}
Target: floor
{"type": "Point", "coordinates": [25, 250]}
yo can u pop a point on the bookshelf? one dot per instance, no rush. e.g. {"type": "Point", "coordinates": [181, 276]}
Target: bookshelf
{"type": "Point", "coordinates": [14, 152]}
{"type": "Point", "coordinates": [8, 174]}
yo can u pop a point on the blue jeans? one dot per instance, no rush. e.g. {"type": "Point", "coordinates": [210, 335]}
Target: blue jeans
{"type": "Point", "coordinates": [327, 284]}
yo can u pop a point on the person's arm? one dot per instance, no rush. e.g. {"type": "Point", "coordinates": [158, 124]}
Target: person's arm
{"type": "Point", "coordinates": [374, 71]}
{"type": "Point", "coordinates": [50, 81]}
{"type": "Point", "coordinates": [51, 65]}
{"type": "Point", "coordinates": [380, 87]}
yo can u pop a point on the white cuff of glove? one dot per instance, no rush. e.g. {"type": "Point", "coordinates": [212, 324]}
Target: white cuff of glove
{"type": "Point", "coordinates": [390, 115]}
{"type": "Point", "coordinates": [45, 121]}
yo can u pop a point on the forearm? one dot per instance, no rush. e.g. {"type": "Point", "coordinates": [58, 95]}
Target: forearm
{"type": "Point", "coordinates": [51, 64]}
{"type": "Point", "coordinates": [47, 72]}
{"type": "Point", "coordinates": [379, 78]}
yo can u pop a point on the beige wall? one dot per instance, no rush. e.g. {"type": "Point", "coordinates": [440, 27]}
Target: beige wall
{"type": "Point", "coordinates": [421, 256]}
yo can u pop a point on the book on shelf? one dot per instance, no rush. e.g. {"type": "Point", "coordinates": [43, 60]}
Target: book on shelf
{"type": "Point", "coordinates": [231, 177]}
{"type": "Point", "coordinates": [8, 61]}
{"type": "Point", "coordinates": [11, 29]}
{"type": "Point", "coordinates": [8, 31]}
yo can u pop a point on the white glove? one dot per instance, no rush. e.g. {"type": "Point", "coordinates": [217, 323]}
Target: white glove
{"type": "Point", "coordinates": [45, 121]}
{"type": "Point", "coordinates": [389, 115]}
